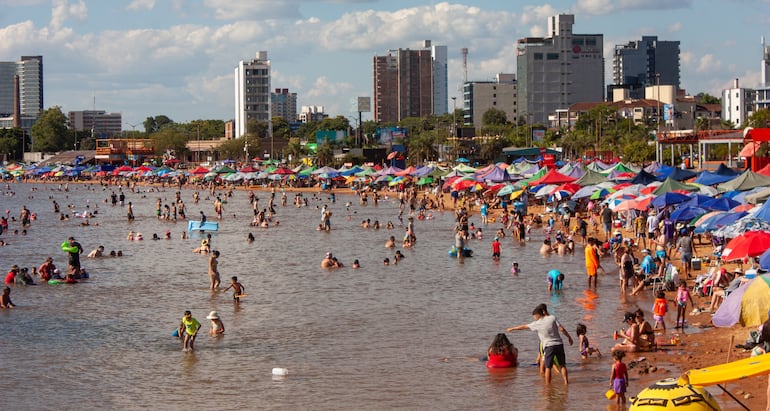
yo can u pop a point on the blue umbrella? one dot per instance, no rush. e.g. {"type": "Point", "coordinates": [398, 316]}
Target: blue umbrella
{"type": "Point", "coordinates": [720, 204]}
{"type": "Point", "coordinates": [462, 160]}
{"type": "Point", "coordinates": [669, 198]}
{"type": "Point", "coordinates": [686, 213]}
{"type": "Point", "coordinates": [698, 200]}
{"type": "Point", "coordinates": [720, 221]}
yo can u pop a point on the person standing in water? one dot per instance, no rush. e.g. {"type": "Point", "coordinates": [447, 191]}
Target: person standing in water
{"type": "Point", "coordinates": [548, 328]}
{"type": "Point", "coordinates": [188, 329]}
{"type": "Point", "coordinates": [213, 270]}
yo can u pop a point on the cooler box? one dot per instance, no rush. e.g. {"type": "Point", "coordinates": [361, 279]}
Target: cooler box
{"type": "Point", "coordinates": [696, 263]}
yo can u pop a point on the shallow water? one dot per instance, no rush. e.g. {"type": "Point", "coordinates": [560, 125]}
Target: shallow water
{"type": "Point", "coordinates": [405, 336]}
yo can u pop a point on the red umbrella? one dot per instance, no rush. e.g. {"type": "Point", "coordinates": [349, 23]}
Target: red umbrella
{"type": "Point", "coordinates": [283, 171]}
{"type": "Point", "coordinates": [199, 170]}
{"type": "Point", "coordinates": [748, 244]}
{"type": "Point", "coordinates": [743, 207]}
{"type": "Point", "coordinates": [571, 188]}
{"type": "Point", "coordinates": [464, 184]}
{"type": "Point", "coordinates": [621, 186]}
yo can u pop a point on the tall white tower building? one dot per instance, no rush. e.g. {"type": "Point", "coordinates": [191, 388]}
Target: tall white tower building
{"type": "Point", "coordinates": [252, 93]}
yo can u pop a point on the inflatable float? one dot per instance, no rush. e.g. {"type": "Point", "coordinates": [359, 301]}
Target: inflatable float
{"type": "Point", "coordinates": [467, 252]}
{"type": "Point", "coordinates": [198, 226]}
{"type": "Point", "coordinates": [670, 394]}
{"type": "Point", "coordinates": [67, 248]}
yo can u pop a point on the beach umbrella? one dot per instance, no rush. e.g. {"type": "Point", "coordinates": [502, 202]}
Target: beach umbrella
{"type": "Point", "coordinates": [462, 160]}
{"type": "Point", "coordinates": [544, 190]}
{"type": "Point", "coordinates": [558, 195]}
{"type": "Point", "coordinates": [601, 193]}
{"type": "Point", "coordinates": [748, 244]}
{"type": "Point", "coordinates": [686, 213]}
{"type": "Point", "coordinates": [464, 184]}
{"type": "Point", "coordinates": [697, 222]}
{"type": "Point", "coordinates": [748, 304]}
{"type": "Point", "coordinates": [743, 207]}
{"type": "Point", "coordinates": [720, 204]}
{"type": "Point", "coordinates": [425, 181]}
{"type": "Point", "coordinates": [720, 220]}
{"type": "Point", "coordinates": [669, 198]}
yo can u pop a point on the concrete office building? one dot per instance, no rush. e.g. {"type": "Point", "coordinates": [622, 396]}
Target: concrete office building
{"type": "Point", "coordinates": [643, 63]}
{"type": "Point", "coordinates": [557, 71]}
{"type": "Point", "coordinates": [410, 83]}
{"type": "Point", "coordinates": [252, 93]}
{"type": "Point", "coordinates": [480, 96]}
{"type": "Point", "coordinates": [284, 104]}
{"type": "Point", "coordinates": [99, 122]}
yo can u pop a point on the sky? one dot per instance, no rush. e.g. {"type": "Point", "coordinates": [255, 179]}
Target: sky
{"type": "Point", "coordinates": [177, 58]}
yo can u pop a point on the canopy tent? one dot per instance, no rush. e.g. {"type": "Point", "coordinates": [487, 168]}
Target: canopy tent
{"type": "Point", "coordinates": [680, 174]}
{"type": "Point", "coordinates": [554, 177]}
{"type": "Point", "coordinates": [745, 182]}
{"type": "Point", "coordinates": [619, 167]}
{"type": "Point", "coordinates": [672, 185]}
{"type": "Point", "coordinates": [721, 175]}
{"type": "Point", "coordinates": [644, 178]}
{"type": "Point", "coordinates": [591, 178]}
{"type": "Point", "coordinates": [496, 175]}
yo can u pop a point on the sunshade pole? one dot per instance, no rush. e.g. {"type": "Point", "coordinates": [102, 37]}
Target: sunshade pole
{"type": "Point", "coordinates": [733, 397]}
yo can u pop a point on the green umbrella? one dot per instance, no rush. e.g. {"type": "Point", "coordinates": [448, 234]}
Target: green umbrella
{"type": "Point", "coordinates": [425, 180]}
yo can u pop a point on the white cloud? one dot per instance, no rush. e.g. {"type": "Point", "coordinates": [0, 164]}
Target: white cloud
{"type": "Point", "coordinates": [686, 58]}
{"type": "Point", "coordinates": [136, 5]}
{"type": "Point", "coordinates": [599, 7]}
{"type": "Point", "coordinates": [63, 11]}
{"type": "Point", "coordinates": [707, 64]}
{"type": "Point", "coordinates": [675, 28]}
{"type": "Point", "coordinates": [248, 9]}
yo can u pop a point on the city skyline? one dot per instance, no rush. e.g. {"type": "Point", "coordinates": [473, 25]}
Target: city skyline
{"type": "Point", "coordinates": [145, 58]}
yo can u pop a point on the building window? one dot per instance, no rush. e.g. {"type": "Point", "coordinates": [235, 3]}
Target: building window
{"type": "Point", "coordinates": [552, 56]}
{"type": "Point", "coordinates": [538, 56]}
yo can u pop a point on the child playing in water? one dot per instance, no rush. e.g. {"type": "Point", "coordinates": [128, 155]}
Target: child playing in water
{"type": "Point", "coordinates": [5, 299]}
{"type": "Point", "coordinates": [188, 329]}
{"type": "Point", "coordinates": [682, 297]}
{"type": "Point", "coordinates": [585, 347]}
{"type": "Point", "coordinates": [619, 379]}
{"type": "Point", "coordinates": [237, 287]}
{"type": "Point", "coordinates": [217, 327]}
{"type": "Point", "coordinates": [515, 268]}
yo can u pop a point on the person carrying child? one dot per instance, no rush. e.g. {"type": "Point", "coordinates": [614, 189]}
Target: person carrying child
{"type": "Point", "coordinates": [237, 287]}
{"type": "Point", "coordinates": [619, 379]}
{"type": "Point", "coordinates": [585, 347]}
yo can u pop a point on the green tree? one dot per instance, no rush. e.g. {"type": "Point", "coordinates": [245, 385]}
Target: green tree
{"type": "Point", "coordinates": [245, 147]}
{"type": "Point", "coordinates": [11, 143]}
{"type": "Point", "coordinates": [706, 98]}
{"type": "Point", "coordinates": [422, 146]}
{"type": "Point", "coordinates": [50, 133]}
{"type": "Point", "coordinates": [759, 119]}
{"type": "Point", "coordinates": [171, 139]}
{"type": "Point", "coordinates": [281, 128]}
{"type": "Point", "coordinates": [638, 151]}
{"type": "Point", "coordinates": [494, 116]}
{"type": "Point", "coordinates": [155, 124]}
{"type": "Point", "coordinates": [295, 149]}
{"type": "Point", "coordinates": [324, 154]}
{"type": "Point", "coordinates": [257, 128]}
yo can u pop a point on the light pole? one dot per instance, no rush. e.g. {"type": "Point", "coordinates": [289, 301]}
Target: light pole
{"type": "Point", "coordinates": [133, 126]}
{"type": "Point", "coordinates": [454, 125]}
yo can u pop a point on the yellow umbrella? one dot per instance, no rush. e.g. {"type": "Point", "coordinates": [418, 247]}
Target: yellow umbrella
{"type": "Point", "coordinates": [516, 194]}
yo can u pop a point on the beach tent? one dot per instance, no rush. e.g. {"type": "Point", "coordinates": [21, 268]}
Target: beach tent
{"type": "Point", "coordinates": [496, 175]}
{"type": "Point", "coordinates": [745, 182]}
{"type": "Point", "coordinates": [672, 185]}
{"type": "Point", "coordinates": [748, 304]}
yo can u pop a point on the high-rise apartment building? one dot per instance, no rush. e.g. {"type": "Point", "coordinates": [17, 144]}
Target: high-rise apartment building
{"type": "Point", "coordinates": [481, 96]}
{"type": "Point", "coordinates": [284, 104]}
{"type": "Point", "coordinates": [410, 83]}
{"type": "Point", "coordinates": [645, 62]}
{"type": "Point", "coordinates": [30, 76]}
{"type": "Point", "coordinates": [762, 95]}
{"type": "Point", "coordinates": [557, 71]}
{"type": "Point", "coordinates": [99, 122]}
{"type": "Point", "coordinates": [252, 93]}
